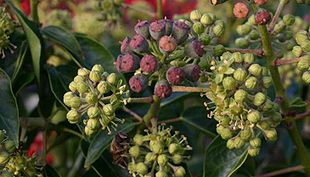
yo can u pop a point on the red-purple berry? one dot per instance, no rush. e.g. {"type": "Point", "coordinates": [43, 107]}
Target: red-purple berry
{"type": "Point", "coordinates": [192, 72]}
{"type": "Point", "coordinates": [157, 29]}
{"type": "Point", "coordinates": [125, 45]}
{"type": "Point", "coordinates": [175, 75]}
{"type": "Point", "coordinates": [142, 28]}
{"type": "Point", "coordinates": [262, 17]}
{"type": "Point", "coordinates": [180, 31]}
{"type": "Point", "coordinates": [138, 43]}
{"type": "Point", "coordinates": [194, 48]}
{"type": "Point", "coordinates": [167, 44]}
{"type": "Point", "coordinates": [162, 89]}
{"type": "Point", "coordinates": [128, 62]}
{"type": "Point", "coordinates": [148, 64]}
{"type": "Point", "coordinates": [138, 83]}
{"type": "Point", "coordinates": [241, 10]}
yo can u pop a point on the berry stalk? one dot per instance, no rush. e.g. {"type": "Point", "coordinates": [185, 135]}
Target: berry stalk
{"type": "Point", "coordinates": [159, 9]}
{"type": "Point", "coordinates": [34, 10]}
{"type": "Point", "coordinates": [152, 112]}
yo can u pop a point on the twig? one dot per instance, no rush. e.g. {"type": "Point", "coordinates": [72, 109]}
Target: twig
{"type": "Point", "coordinates": [280, 62]}
{"type": "Point", "coordinates": [277, 15]}
{"type": "Point", "coordinates": [134, 115]}
{"type": "Point", "coordinates": [258, 52]}
{"type": "Point", "coordinates": [302, 116]}
{"type": "Point", "coordinates": [188, 89]}
{"type": "Point", "coordinates": [282, 171]}
{"type": "Point", "coordinates": [141, 100]}
{"type": "Point", "coordinates": [170, 120]}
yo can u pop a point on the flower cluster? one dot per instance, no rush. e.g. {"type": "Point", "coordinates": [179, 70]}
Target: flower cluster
{"type": "Point", "coordinates": [302, 50]}
{"type": "Point", "coordinates": [94, 96]}
{"type": "Point", "coordinates": [14, 163]}
{"type": "Point", "coordinates": [238, 91]}
{"type": "Point", "coordinates": [110, 10]}
{"type": "Point", "coordinates": [158, 154]}
{"type": "Point", "coordinates": [7, 27]}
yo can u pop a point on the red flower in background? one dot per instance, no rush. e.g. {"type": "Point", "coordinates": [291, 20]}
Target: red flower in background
{"type": "Point", "coordinates": [25, 6]}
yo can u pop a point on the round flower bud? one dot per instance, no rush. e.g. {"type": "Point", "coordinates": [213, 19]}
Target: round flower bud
{"type": "Point", "coordinates": [229, 83]}
{"type": "Point", "coordinates": [271, 134]}
{"type": "Point", "coordinates": [142, 28]}
{"type": "Point", "coordinates": [108, 109]}
{"type": "Point", "coordinates": [248, 58]}
{"type": "Point", "coordinates": [268, 105]}
{"type": "Point", "coordinates": [253, 152]}
{"type": "Point", "coordinates": [260, 2]}
{"type": "Point", "coordinates": [251, 82]}
{"type": "Point", "coordinates": [198, 28]}
{"type": "Point", "coordinates": [230, 144]}
{"type": "Point", "coordinates": [180, 31]}
{"type": "Point", "coordinates": [162, 89]}
{"type": "Point", "coordinates": [303, 64]}
{"type": "Point", "coordinates": [239, 143]}
{"type": "Point", "coordinates": [306, 77]}
{"type": "Point", "coordinates": [207, 19]}
{"type": "Point", "coordinates": [157, 29]}
{"type": "Point", "coordinates": [237, 57]}
{"type": "Point", "coordinates": [267, 81]}
{"type": "Point", "coordinates": [4, 157]}
{"type": "Point", "coordinates": [95, 76]}
{"type": "Point", "coordinates": [175, 75]}
{"type": "Point", "coordinates": [150, 157]}
{"type": "Point", "coordinates": [161, 174]}
{"type": "Point", "coordinates": [289, 19]}
{"type": "Point", "coordinates": [91, 98]}
{"type": "Point", "coordinates": [103, 87]}
{"type": "Point", "coordinates": [148, 64]}
{"type": "Point", "coordinates": [244, 29]}
{"type": "Point", "coordinates": [192, 72]}
{"type": "Point", "coordinates": [93, 124]}
{"type": "Point", "coordinates": [240, 74]}
{"type": "Point", "coordinates": [240, 10]}
{"type": "Point", "coordinates": [179, 172]}
{"type": "Point", "coordinates": [301, 38]}
{"type": "Point", "coordinates": [138, 139]}
{"type": "Point", "coordinates": [242, 42]}
{"type": "Point", "coordinates": [256, 142]}
{"type": "Point", "coordinates": [72, 86]}
{"type": "Point", "coordinates": [279, 27]}
{"type": "Point", "coordinates": [194, 49]}
{"type": "Point", "coordinates": [141, 168]}
{"type": "Point", "coordinates": [259, 99]}
{"type": "Point", "coordinates": [98, 68]}
{"type": "Point", "coordinates": [218, 50]}
{"type": "Point", "coordinates": [83, 72]}
{"type": "Point", "coordinates": [195, 15]}
{"type": "Point", "coordinates": [262, 17]}
{"type": "Point", "coordinates": [297, 51]}
{"type": "Point", "coordinates": [218, 28]}
{"type": "Point", "coordinates": [67, 98]}
{"type": "Point", "coordinates": [78, 79]}
{"type": "Point", "coordinates": [81, 87]}
{"type": "Point", "coordinates": [167, 44]}
{"type": "Point", "coordinates": [127, 63]}
{"type": "Point", "coordinates": [174, 148]}
{"type": "Point", "coordinates": [112, 78]}
{"type": "Point", "coordinates": [205, 39]}
{"type": "Point", "coordinates": [138, 43]}
{"type": "Point", "coordinates": [254, 116]}
{"type": "Point", "coordinates": [246, 134]}
{"type": "Point", "coordinates": [125, 45]}
{"type": "Point", "coordinates": [138, 83]}
{"type": "Point", "coordinates": [254, 35]}
{"type": "Point", "coordinates": [88, 131]}
{"type": "Point", "coordinates": [75, 102]}
{"type": "Point", "coordinates": [226, 133]}
{"type": "Point", "coordinates": [177, 159]}
{"type": "Point", "coordinates": [240, 95]}
{"type": "Point", "coordinates": [306, 46]}
{"type": "Point", "coordinates": [156, 146]}
{"type": "Point", "coordinates": [9, 146]}
{"type": "Point", "coordinates": [162, 160]}
{"type": "Point", "coordinates": [93, 112]}
{"type": "Point", "coordinates": [134, 151]}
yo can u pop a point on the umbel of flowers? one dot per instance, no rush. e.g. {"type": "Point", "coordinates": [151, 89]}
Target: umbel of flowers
{"type": "Point", "coordinates": [159, 153]}
{"type": "Point", "coordinates": [167, 51]}
{"type": "Point", "coordinates": [239, 101]}
{"type": "Point", "coordinates": [94, 97]}
{"type": "Point", "coordinates": [7, 27]}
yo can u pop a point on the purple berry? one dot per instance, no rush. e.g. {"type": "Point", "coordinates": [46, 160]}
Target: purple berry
{"type": "Point", "coordinates": [138, 83]}
{"type": "Point", "coordinates": [180, 31]}
{"type": "Point", "coordinates": [194, 49]}
{"type": "Point", "coordinates": [167, 44]}
{"type": "Point", "coordinates": [157, 29]}
{"type": "Point", "coordinates": [148, 64]}
{"type": "Point", "coordinates": [127, 63]}
{"type": "Point", "coordinates": [138, 43]}
{"type": "Point", "coordinates": [175, 75]}
{"type": "Point", "coordinates": [162, 89]}
{"type": "Point", "coordinates": [142, 28]}
{"type": "Point", "coordinates": [125, 45]}
{"type": "Point", "coordinates": [192, 72]}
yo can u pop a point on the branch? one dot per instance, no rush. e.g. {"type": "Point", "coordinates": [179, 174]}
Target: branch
{"type": "Point", "coordinates": [170, 120]}
{"type": "Point", "coordinates": [280, 62]}
{"type": "Point", "coordinates": [152, 112]}
{"type": "Point", "coordinates": [188, 89]}
{"type": "Point", "coordinates": [302, 115]}
{"type": "Point", "coordinates": [282, 171]}
{"type": "Point", "coordinates": [277, 15]}
{"type": "Point", "coordinates": [141, 100]}
{"type": "Point", "coordinates": [133, 114]}
{"type": "Point", "coordinates": [258, 52]}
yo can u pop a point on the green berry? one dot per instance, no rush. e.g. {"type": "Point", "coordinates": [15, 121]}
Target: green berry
{"type": "Point", "coordinates": [112, 78]}
{"type": "Point", "coordinates": [174, 148]}
{"type": "Point", "coordinates": [95, 76]}
{"type": "Point", "coordinates": [91, 98]}
{"type": "Point", "coordinates": [218, 50]}
{"type": "Point", "coordinates": [207, 19]}
{"type": "Point", "coordinates": [242, 42]}
{"type": "Point", "coordinates": [239, 143]}
{"type": "Point", "coordinates": [141, 168]}
{"type": "Point", "coordinates": [240, 74]}
{"type": "Point", "coordinates": [248, 58]}
{"type": "Point", "coordinates": [271, 134]}
{"type": "Point", "coordinates": [205, 38]}
{"type": "Point", "coordinates": [253, 152]}
{"type": "Point", "coordinates": [297, 51]}
{"type": "Point", "coordinates": [246, 134]}
{"type": "Point", "coordinates": [226, 133]}
{"type": "Point", "coordinates": [306, 77]}
{"type": "Point", "coordinates": [93, 124]}
{"type": "Point", "coordinates": [198, 28]}
{"type": "Point", "coordinates": [251, 82]}
{"type": "Point", "coordinates": [240, 95]}
{"type": "Point", "coordinates": [103, 87]}
{"type": "Point", "coordinates": [279, 27]}
{"type": "Point", "coordinates": [289, 19]}
{"type": "Point", "coordinates": [2, 136]}
{"type": "Point", "coordinates": [73, 116]}
{"type": "Point", "coordinates": [81, 87]}
{"type": "Point", "coordinates": [254, 116]}
{"type": "Point", "coordinates": [244, 29]}
{"type": "Point", "coordinates": [72, 86]}
{"type": "Point", "coordinates": [229, 83]}
{"type": "Point", "coordinates": [237, 57]}
{"type": "Point", "coordinates": [83, 72]}
{"type": "Point", "coordinates": [218, 28]}
{"type": "Point", "coordinates": [150, 157]}
{"type": "Point", "coordinates": [161, 174]}
{"type": "Point", "coordinates": [162, 160]}
{"type": "Point", "coordinates": [88, 131]}
{"type": "Point", "coordinates": [134, 151]}
{"type": "Point", "coordinates": [156, 146]}
{"type": "Point", "coordinates": [254, 35]}
{"type": "Point", "coordinates": [93, 112]}
{"type": "Point", "coordinates": [98, 68]}
{"type": "Point", "coordinates": [268, 105]}
{"type": "Point", "coordinates": [303, 64]}
{"type": "Point", "coordinates": [267, 81]}
{"type": "Point", "coordinates": [255, 69]}
{"type": "Point", "coordinates": [78, 79]}
{"type": "Point", "coordinates": [177, 159]}
{"type": "Point", "coordinates": [195, 15]}
{"type": "Point", "coordinates": [230, 144]}
{"type": "Point", "coordinates": [259, 99]}
{"type": "Point", "coordinates": [256, 142]}
{"type": "Point", "coordinates": [138, 139]}
{"type": "Point", "coordinates": [179, 172]}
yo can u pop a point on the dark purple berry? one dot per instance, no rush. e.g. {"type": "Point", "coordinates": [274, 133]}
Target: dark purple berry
{"type": "Point", "coordinates": [175, 75]}
{"type": "Point", "coordinates": [162, 89]}
{"type": "Point", "coordinates": [167, 44]}
{"type": "Point", "coordinates": [138, 43]}
{"type": "Point", "coordinates": [157, 29]}
{"type": "Point", "coordinates": [148, 64]}
{"type": "Point", "coordinates": [142, 28]}
{"type": "Point", "coordinates": [180, 31]}
{"type": "Point", "coordinates": [192, 72]}
{"type": "Point", "coordinates": [194, 49]}
{"type": "Point", "coordinates": [138, 83]}
{"type": "Point", "coordinates": [125, 45]}
{"type": "Point", "coordinates": [127, 63]}
{"type": "Point", "coordinates": [262, 17]}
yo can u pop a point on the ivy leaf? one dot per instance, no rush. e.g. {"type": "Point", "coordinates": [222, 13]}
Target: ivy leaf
{"type": "Point", "coordinates": [9, 115]}
{"type": "Point", "coordinates": [297, 105]}
{"type": "Point", "coordinates": [222, 162]}
{"type": "Point", "coordinates": [50, 172]}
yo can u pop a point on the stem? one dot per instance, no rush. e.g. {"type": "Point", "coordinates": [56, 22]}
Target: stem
{"type": "Point", "coordinates": [273, 22]}
{"type": "Point", "coordinates": [153, 111]}
{"type": "Point", "coordinates": [34, 10]}
{"type": "Point", "coordinates": [188, 89]}
{"type": "Point", "coordinates": [303, 153]}
{"type": "Point", "coordinates": [141, 100]}
{"type": "Point", "coordinates": [133, 114]}
{"type": "Point", "coordinates": [282, 171]}
{"type": "Point", "coordinates": [280, 62]}
{"type": "Point", "coordinates": [170, 120]}
{"type": "Point", "coordinates": [258, 52]}
{"type": "Point", "coordinates": [127, 6]}
{"type": "Point", "coordinates": [159, 11]}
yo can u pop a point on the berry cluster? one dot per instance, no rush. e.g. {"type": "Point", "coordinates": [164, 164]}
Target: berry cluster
{"type": "Point", "coordinates": [14, 163]}
{"type": "Point", "coordinates": [7, 27]}
{"type": "Point", "coordinates": [158, 154]}
{"type": "Point", "coordinates": [238, 91]}
{"type": "Point", "coordinates": [302, 50]}
{"type": "Point", "coordinates": [95, 94]}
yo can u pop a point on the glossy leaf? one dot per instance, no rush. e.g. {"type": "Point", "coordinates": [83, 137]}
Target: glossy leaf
{"type": "Point", "coordinates": [50, 172]}
{"type": "Point", "coordinates": [20, 60]}
{"type": "Point", "coordinates": [9, 115]}
{"type": "Point", "coordinates": [222, 162]}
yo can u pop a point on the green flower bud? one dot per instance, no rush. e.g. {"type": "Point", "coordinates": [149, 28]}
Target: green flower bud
{"type": "Point", "coordinates": [279, 27]}
{"type": "Point", "coordinates": [207, 19]}
{"type": "Point", "coordinates": [248, 58]}
{"type": "Point", "coordinates": [251, 20]}
{"type": "Point", "coordinates": [205, 38]}
{"type": "Point", "coordinates": [229, 83]}
{"type": "Point", "coordinates": [67, 98]}
{"type": "Point", "coordinates": [81, 87]}
{"type": "Point", "coordinates": [198, 28]}
{"type": "Point", "coordinates": [218, 50]}
{"type": "Point", "coordinates": [240, 74]}
{"type": "Point", "coordinates": [83, 72]}
{"type": "Point", "coordinates": [9, 146]}
{"type": "Point", "coordinates": [244, 29]}
{"type": "Point", "coordinates": [75, 102]}
{"type": "Point", "coordinates": [230, 144]}
{"type": "Point", "coordinates": [108, 109]}
{"type": "Point", "coordinates": [93, 124]}
{"type": "Point", "coordinates": [103, 87]}
{"type": "Point", "coordinates": [271, 135]}
{"type": "Point", "coordinates": [174, 148]}
{"type": "Point", "coordinates": [112, 78]}
{"type": "Point", "coordinates": [195, 15]}
{"type": "Point", "coordinates": [301, 38]}
{"type": "Point", "coordinates": [95, 76]}
{"type": "Point", "coordinates": [141, 168]}
{"type": "Point", "coordinates": [98, 68]}
{"type": "Point", "coordinates": [254, 116]}
{"type": "Point", "coordinates": [78, 79]}
{"type": "Point", "coordinates": [259, 99]}
{"type": "Point", "coordinates": [276, 117]}
{"type": "Point", "coordinates": [162, 160]}
{"type": "Point", "coordinates": [242, 42]}
{"type": "Point", "coordinates": [255, 69]}
{"type": "Point", "coordinates": [4, 157]}
{"type": "Point", "coordinates": [256, 142]}
{"type": "Point", "coordinates": [91, 98]}
{"type": "Point", "coordinates": [297, 51]}
{"type": "Point", "coordinates": [268, 105]}
{"type": "Point", "coordinates": [251, 82]}
{"type": "Point", "coordinates": [131, 167]}
{"type": "Point", "coordinates": [306, 77]}
{"type": "Point", "coordinates": [156, 146]}
{"type": "Point", "coordinates": [179, 172]}
{"type": "Point", "coordinates": [253, 152]}
{"type": "Point", "coordinates": [177, 159]}
{"type": "Point", "coordinates": [72, 86]}
{"type": "Point", "coordinates": [150, 157]}
{"type": "Point", "coordinates": [218, 28]}
{"type": "Point", "coordinates": [240, 95]}
{"type": "Point", "coordinates": [289, 19]}
{"type": "Point", "coordinates": [134, 151]}
{"type": "Point", "coordinates": [254, 35]}
{"type": "Point", "coordinates": [161, 174]}
{"type": "Point", "coordinates": [239, 143]}
{"type": "Point", "coordinates": [264, 125]}
{"type": "Point", "coordinates": [138, 139]}
{"type": "Point", "coordinates": [306, 46]}
{"type": "Point", "coordinates": [226, 133]}
{"type": "Point", "coordinates": [246, 134]}
{"type": "Point", "coordinates": [303, 64]}
{"type": "Point", "coordinates": [73, 116]}
{"type": "Point", "coordinates": [93, 112]}
{"type": "Point", "coordinates": [267, 81]}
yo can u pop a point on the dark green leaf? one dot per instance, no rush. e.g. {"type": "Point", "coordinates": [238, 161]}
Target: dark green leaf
{"type": "Point", "coordinates": [297, 105]}
{"type": "Point", "coordinates": [20, 60]}
{"type": "Point", "coordinates": [9, 118]}
{"type": "Point", "coordinates": [50, 172]}
{"type": "Point", "coordinates": [222, 162]}
{"type": "Point", "coordinates": [22, 80]}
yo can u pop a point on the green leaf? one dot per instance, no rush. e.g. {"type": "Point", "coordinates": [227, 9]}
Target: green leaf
{"type": "Point", "coordinates": [32, 33]}
{"type": "Point", "coordinates": [9, 118]}
{"type": "Point", "coordinates": [297, 105]}
{"type": "Point", "coordinates": [50, 172]}
{"type": "Point", "coordinates": [95, 53]}
{"type": "Point", "coordinates": [222, 162]}
{"type": "Point", "coordinates": [101, 141]}
{"type": "Point", "coordinates": [20, 60]}
{"type": "Point", "coordinates": [22, 81]}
